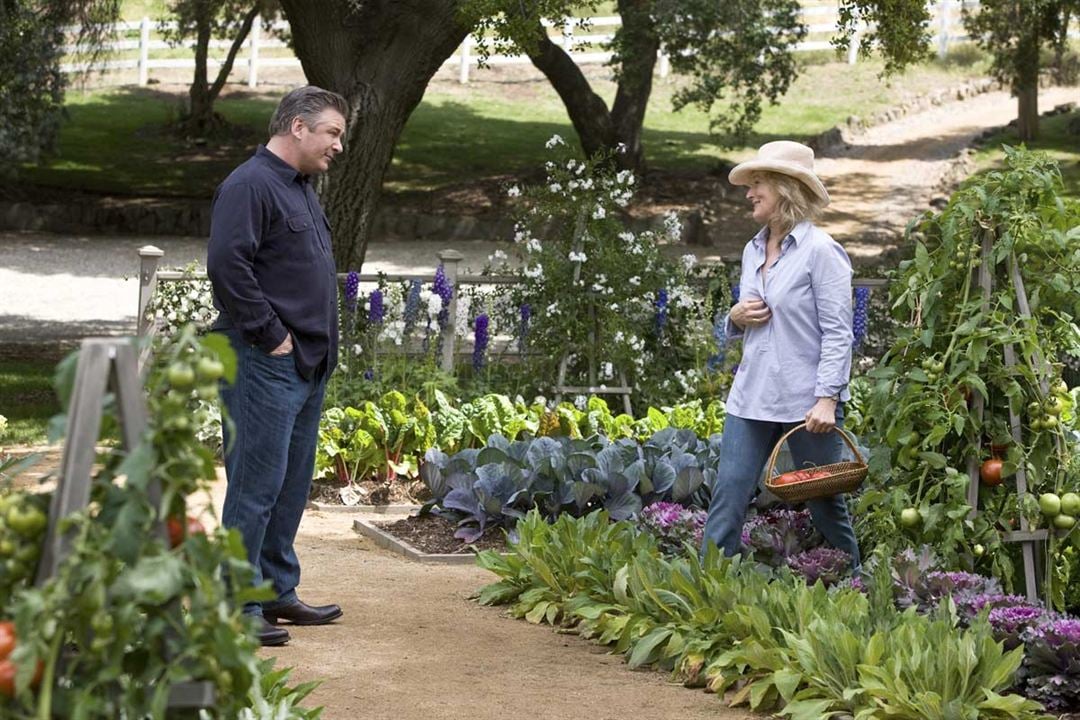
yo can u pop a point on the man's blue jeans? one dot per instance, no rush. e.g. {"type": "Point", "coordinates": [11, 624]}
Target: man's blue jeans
{"type": "Point", "coordinates": [744, 450]}
{"type": "Point", "coordinates": [269, 462]}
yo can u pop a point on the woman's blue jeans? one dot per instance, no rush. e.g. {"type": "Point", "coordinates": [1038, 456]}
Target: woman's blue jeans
{"type": "Point", "coordinates": [269, 462]}
{"type": "Point", "coordinates": [744, 450]}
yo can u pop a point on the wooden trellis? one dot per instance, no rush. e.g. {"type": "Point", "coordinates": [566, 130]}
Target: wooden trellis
{"type": "Point", "coordinates": [1030, 540]}
{"type": "Point", "coordinates": [105, 365]}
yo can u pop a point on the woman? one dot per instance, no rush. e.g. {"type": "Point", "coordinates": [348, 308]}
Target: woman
{"type": "Point", "coordinates": [794, 318]}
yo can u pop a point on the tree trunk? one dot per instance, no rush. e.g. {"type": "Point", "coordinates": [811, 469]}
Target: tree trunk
{"type": "Point", "coordinates": [617, 130]}
{"type": "Point", "coordinates": [1026, 86]}
{"type": "Point", "coordinates": [200, 106]}
{"type": "Point", "coordinates": [380, 55]}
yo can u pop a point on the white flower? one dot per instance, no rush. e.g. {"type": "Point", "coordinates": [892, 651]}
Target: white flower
{"type": "Point", "coordinates": [626, 236]}
{"type": "Point", "coordinates": [599, 213]}
{"type": "Point", "coordinates": [555, 187]}
{"type": "Point", "coordinates": [688, 261]}
{"type": "Point", "coordinates": [634, 280]}
{"type": "Point", "coordinates": [672, 225]}
{"type": "Point", "coordinates": [607, 370]}
{"type": "Point", "coordinates": [580, 401]}
{"type": "Point", "coordinates": [555, 140]}
{"type": "Point", "coordinates": [514, 191]}
{"type": "Point", "coordinates": [357, 350]}
{"type": "Point", "coordinates": [577, 257]}
{"type": "Point", "coordinates": [587, 184]}
{"type": "Point", "coordinates": [553, 308]}
{"type": "Point", "coordinates": [434, 305]}
{"type": "Point", "coordinates": [533, 245]}
{"type": "Point", "coordinates": [534, 272]}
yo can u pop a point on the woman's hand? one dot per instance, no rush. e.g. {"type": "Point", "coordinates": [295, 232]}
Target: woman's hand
{"type": "Point", "coordinates": [822, 417]}
{"type": "Point", "coordinates": [751, 312]}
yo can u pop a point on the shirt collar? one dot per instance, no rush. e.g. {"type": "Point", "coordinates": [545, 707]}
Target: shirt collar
{"type": "Point", "coordinates": [798, 234]}
{"type": "Point", "coordinates": [284, 170]}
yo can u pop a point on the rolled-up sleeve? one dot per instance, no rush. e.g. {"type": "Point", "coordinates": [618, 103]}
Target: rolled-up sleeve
{"type": "Point", "coordinates": [236, 228]}
{"type": "Point", "coordinates": [831, 278]}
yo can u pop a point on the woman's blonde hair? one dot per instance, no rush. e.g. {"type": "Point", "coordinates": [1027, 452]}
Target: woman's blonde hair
{"type": "Point", "coordinates": [796, 202]}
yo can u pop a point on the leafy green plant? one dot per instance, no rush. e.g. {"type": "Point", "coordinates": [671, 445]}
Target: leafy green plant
{"type": "Point", "coordinates": [952, 349]}
{"type": "Point", "coordinates": [127, 616]}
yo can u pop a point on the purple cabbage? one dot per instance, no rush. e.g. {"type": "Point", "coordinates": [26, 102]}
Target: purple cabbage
{"type": "Point", "coordinates": [775, 535]}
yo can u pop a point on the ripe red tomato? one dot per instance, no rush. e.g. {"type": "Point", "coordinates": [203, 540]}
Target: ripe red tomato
{"type": "Point", "coordinates": [7, 639]}
{"type": "Point", "coordinates": [990, 472]}
{"type": "Point", "coordinates": [176, 530]}
{"type": "Point", "coordinates": [7, 678]}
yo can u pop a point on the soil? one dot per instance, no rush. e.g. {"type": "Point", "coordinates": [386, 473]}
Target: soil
{"type": "Point", "coordinates": [435, 534]}
{"type": "Point", "coordinates": [372, 492]}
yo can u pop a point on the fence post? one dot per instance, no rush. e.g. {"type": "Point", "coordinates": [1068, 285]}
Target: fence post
{"type": "Point", "coordinates": [463, 72]}
{"type": "Point", "coordinates": [149, 257]}
{"type": "Point", "coordinates": [853, 48]}
{"type": "Point", "coordinates": [144, 51]}
{"type": "Point", "coordinates": [253, 53]}
{"type": "Point", "coordinates": [450, 260]}
{"type": "Point", "coordinates": [943, 29]}
{"type": "Point", "coordinates": [665, 63]}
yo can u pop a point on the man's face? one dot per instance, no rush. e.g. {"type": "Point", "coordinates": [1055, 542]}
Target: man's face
{"type": "Point", "coordinates": [320, 142]}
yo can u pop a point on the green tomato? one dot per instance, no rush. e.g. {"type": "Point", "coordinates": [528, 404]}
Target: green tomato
{"type": "Point", "coordinates": [1050, 422]}
{"type": "Point", "coordinates": [209, 369]}
{"type": "Point", "coordinates": [1053, 407]}
{"type": "Point", "coordinates": [909, 517]}
{"type": "Point", "coordinates": [7, 548]}
{"type": "Point", "coordinates": [1064, 522]}
{"type": "Point", "coordinates": [1037, 424]}
{"type": "Point", "coordinates": [978, 550]}
{"type": "Point", "coordinates": [1060, 388]}
{"type": "Point", "coordinates": [1070, 504]}
{"type": "Point", "coordinates": [938, 367]}
{"type": "Point", "coordinates": [209, 391]}
{"type": "Point", "coordinates": [1050, 505]}
{"type": "Point", "coordinates": [1034, 409]}
{"type": "Point", "coordinates": [28, 523]}
{"type": "Point", "coordinates": [180, 375]}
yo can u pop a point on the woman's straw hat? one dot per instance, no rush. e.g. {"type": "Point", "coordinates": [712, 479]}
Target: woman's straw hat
{"type": "Point", "coordinates": [784, 157]}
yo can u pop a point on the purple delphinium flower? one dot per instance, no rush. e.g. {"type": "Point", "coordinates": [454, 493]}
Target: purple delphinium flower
{"type": "Point", "coordinates": [523, 328]}
{"type": "Point", "coordinates": [829, 565]}
{"type": "Point", "coordinates": [376, 308]}
{"type": "Point", "coordinates": [735, 291]}
{"type": "Point", "coordinates": [369, 374]}
{"type": "Point", "coordinates": [480, 341]}
{"type": "Point", "coordinates": [442, 287]}
{"type": "Point", "coordinates": [352, 289]}
{"type": "Point", "coordinates": [412, 305]}
{"type": "Point", "coordinates": [661, 309]}
{"type": "Point", "coordinates": [859, 316]}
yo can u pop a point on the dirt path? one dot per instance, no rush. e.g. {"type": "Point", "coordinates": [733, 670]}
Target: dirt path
{"type": "Point", "coordinates": [888, 175]}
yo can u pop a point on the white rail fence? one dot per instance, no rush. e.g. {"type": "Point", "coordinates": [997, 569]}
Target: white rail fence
{"type": "Point", "coordinates": [586, 40]}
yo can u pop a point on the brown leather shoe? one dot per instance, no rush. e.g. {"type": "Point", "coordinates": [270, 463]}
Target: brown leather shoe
{"type": "Point", "coordinates": [300, 613]}
{"type": "Point", "coordinates": [270, 636]}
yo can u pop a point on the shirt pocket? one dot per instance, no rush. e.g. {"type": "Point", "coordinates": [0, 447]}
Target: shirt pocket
{"type": "Point", "coordinates": [300, 236]}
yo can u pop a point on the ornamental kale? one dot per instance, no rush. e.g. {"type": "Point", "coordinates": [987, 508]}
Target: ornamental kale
{"type": "Point", "coordinates": [829, 565]}
{"type": "Point", "coordinates": [1050, 672]}
{"type": "Point", "coordinates": [673, 526]}
{"type": "Point", "coordinates": [775, 535]}
{"type": "Point", "coordinates": [1010, 622]}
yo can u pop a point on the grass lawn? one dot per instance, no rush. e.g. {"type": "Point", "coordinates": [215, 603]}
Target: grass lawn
{"type": "Point", "coordinates": [1054, 139]}
{"type": "Point", "coordinates": [118, 140]}
{"type": "Point", "coordinates": [27, 400]}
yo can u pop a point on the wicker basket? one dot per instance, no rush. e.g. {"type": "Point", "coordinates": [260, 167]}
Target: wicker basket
{"type": "Point", "coordinates": [843, 477]}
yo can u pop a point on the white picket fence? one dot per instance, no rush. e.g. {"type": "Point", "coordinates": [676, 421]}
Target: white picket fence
{"type": "Point", "coordinates": [586, 40]}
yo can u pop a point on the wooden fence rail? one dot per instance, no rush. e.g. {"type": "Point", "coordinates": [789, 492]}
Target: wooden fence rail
{"type": "Point", "coordinates": [150, 276]}
{"type": "Point", "coordinates": [585, 39]}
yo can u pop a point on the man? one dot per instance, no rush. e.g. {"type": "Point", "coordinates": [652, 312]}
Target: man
{"type": "Point", "coordinates": [274, 281]}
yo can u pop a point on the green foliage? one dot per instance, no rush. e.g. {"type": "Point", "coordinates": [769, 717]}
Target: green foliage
{"type": "Point", "coordinates": [952, 349]}
{"type": "Point", "coordinates": [32, 39]}
{"type": "Point", "coordinates": [1013, 31]}
{"type": "Point", "coordinates": [127, 617]}
{"type": "Point", "coordinates": [741, 49]}
{"type": "Point", "coordinates": [898, 29]}
{"type": "Point", "coordinates": [804, 652]}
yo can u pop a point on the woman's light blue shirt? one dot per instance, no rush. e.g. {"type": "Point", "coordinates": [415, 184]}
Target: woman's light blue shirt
{"type": "Point", "coordinates": [804, 351]}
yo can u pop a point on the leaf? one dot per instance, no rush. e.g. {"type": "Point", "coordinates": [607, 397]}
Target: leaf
{"type": "Point", "coordinates": [645, 650]}
{"type": "Point", "coordinates": [155, 579]}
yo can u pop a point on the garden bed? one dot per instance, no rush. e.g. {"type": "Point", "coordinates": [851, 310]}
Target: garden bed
{"type": "Point", "coordinates": [372, 495]}
{"type": "Point", "coordinates": [427, 538]}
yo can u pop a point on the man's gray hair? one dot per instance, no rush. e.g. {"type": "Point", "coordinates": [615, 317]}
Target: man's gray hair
{"type": "Point", "coordinates": [307, 103]}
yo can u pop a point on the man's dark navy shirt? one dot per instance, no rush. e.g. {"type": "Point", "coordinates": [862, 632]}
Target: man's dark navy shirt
{"type": "Point", "coordinates": [270, 262]}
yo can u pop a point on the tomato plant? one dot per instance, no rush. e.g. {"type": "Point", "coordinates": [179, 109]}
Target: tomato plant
{"type": "Point", "coordinates": [950, 353]}
{"type": "Point", "coordinates": [132, 615]}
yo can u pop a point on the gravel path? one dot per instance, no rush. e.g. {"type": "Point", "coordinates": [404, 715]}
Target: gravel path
{"type": "Point", "coordinates": [59, 287]}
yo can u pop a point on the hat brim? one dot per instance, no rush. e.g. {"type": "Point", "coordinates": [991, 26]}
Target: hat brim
{"type": "Point", "coordinates": [740, 174]}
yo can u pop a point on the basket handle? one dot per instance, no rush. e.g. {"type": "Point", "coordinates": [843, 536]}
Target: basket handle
{"type": "Point", "coordinates": [780, 443]}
